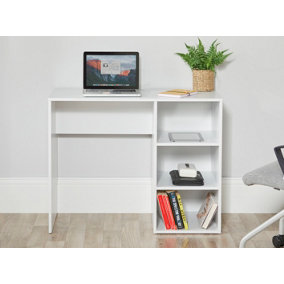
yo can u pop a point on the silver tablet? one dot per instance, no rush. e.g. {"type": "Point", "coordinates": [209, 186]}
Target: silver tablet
{"type": "Point", "coordinates": [185, 137]}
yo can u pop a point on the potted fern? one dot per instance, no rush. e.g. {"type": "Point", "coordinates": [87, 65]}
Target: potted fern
{"type": "Point", "coordinates": [203, 63]}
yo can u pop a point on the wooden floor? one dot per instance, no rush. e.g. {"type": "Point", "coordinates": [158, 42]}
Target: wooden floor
{"type": "Point", "coordinates": [122, 230]}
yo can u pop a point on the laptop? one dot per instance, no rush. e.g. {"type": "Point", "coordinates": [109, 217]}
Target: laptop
{"type": "Point", "coordinates": [111, 74]}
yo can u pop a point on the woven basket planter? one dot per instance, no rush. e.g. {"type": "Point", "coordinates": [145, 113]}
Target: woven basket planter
{"type": "Point", "coordinates": [203, 80]}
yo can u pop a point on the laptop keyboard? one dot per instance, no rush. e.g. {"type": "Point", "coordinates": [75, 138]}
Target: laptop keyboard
{"type": "Point", "coordinates": [120, 91]}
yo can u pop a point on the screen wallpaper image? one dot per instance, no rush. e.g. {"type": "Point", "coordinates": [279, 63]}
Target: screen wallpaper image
{"type": "Point", "coordinates": [111, 71]}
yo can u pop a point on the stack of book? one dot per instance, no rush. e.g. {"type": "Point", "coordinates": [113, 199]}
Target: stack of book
{"type": "Point", "coordinates": [172, 211]}
{"type": "Point", "coordinates": [173, 215]}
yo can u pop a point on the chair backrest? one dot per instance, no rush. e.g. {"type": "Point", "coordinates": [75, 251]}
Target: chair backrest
{"type": "Point", "coordinates": [279, 156]}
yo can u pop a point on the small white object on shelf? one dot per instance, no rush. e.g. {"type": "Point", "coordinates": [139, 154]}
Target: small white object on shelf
{"type": "Point", "coordinates": [187, 170]}
{"type": "Point", "coordinates": [185, 136]}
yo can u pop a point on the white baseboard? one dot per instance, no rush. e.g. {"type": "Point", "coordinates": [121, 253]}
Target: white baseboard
{"type": "Point", "coordinates": [126, 195]}
{"type": "Point", "coordinates": [23, 195]}
{"type": "Point", "coordinates": [239, 198]}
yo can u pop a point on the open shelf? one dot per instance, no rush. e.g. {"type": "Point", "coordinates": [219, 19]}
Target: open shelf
{"type": "Point", "coordinates": [192, 201]}
{"type": "Point", "coordinates": [183, 116]}
{"type": "Point", "coordinates": [165, 182]}
{"type": "Point", "coordinates": [210, 139]}
{"type": "Point", "coordinates": [193, 226]}
{"type": "Point", "coordinates": [205, 158]}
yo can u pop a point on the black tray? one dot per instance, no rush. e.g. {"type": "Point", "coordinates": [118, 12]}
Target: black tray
{"type": "Point", "coordinates": [178, 180]}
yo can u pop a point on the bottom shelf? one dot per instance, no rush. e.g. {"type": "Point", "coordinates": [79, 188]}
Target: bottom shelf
{"type": "Point", "coordinates": [193, 224]}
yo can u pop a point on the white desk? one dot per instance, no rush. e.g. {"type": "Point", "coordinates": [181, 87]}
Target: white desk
{"type": "Point", "coordinates": [71, 113]}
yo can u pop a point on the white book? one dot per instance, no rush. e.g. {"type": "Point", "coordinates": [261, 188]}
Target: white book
{"type": "Point", "coordinates": [210, 216]}
{"type": "Point", "coordinates": [207, 211]}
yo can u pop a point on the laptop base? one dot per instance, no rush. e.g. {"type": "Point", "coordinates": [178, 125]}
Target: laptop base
{"type": "Point", "coordinates": [111, 93]}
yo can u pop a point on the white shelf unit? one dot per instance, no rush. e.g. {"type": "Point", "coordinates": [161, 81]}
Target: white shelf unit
{"type": "Point", "coordinates": [204, 116]}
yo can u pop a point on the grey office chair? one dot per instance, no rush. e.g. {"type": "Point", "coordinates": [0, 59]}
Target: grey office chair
{"type": "Point", "coordinates": [270, 175]}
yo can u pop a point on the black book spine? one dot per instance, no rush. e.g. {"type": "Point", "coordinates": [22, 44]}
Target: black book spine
{"type": "Point", "coordinates": [175, 209]}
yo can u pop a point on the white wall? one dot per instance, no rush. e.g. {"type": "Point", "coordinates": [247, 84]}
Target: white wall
{"type": "Point", "coordinates": [30, 67]}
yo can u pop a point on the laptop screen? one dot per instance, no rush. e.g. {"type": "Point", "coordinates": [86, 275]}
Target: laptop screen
{"type": "Point", "coordinates": [111, 70]}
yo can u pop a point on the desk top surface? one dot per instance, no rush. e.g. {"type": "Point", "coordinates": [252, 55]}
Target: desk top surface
{"type": "Point", "coordinates": [76, 94]}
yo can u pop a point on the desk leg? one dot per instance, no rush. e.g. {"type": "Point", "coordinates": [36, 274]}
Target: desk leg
{"type": "Point", "coordinates": [52, 165]}
{"type": "Point", "coordinates": [154, 168]}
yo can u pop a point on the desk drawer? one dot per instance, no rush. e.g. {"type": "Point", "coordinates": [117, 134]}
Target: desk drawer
{"type": "Point", "coordinates": [104, 117]}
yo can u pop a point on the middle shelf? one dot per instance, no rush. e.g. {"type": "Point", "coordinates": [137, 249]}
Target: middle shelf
{"type": "Point", "coordinates": [164, 182]}
{"type": "Point", "coordinates": [207, 160]}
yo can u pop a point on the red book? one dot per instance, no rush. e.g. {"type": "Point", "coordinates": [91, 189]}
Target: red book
{"type": "Point", "coordinates": [169, 211]}
{"type": "Point", "coordinates": [163, 211]}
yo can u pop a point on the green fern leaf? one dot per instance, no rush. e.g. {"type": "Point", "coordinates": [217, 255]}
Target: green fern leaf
{"type": "Point", "coordinates": [200, 59]}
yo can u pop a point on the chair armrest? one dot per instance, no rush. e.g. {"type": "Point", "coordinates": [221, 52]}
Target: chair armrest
{"type": "Point", "coordinates": [279, 156]}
